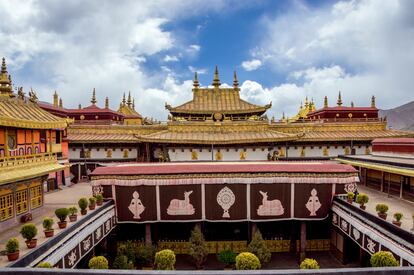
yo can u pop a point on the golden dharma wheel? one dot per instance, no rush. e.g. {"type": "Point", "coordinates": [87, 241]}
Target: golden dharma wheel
{"type": "Point", "coordinates": [218, 116]}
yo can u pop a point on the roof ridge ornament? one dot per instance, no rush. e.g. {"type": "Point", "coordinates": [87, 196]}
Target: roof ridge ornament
{"type": "Point", "coordinates": [373, 102]}
{"type": "Point", "coordinates": [196, 84]}
{"type": "Point", "coordinates": [325, 102]}
{"type": "Point", "coordinates": [216, 81]}
{"type": "Point", "coordinates": [339, 102]}
{"type": "Point", "coordinates": [129, 102]}
{"type": "Point", "coordinates": [93, 100]}
{"type": "Point", "coordinates": [107, 103]}
{"type": "Point", "coordinates": [235, 82]}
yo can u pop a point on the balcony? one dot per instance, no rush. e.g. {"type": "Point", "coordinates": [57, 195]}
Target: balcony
{"type": "Point", "coordinates": [56, 148]}
{"type": "Point", "coordinates": [26, 160]}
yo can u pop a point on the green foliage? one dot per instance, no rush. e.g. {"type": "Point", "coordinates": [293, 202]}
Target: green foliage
{"type": "Point", "coordinates": [198, 249]}
{"type": "Point", "coordinates": [398, 216]}
{"type": "Point", "coordinates": [44, 265]}
{"type": "Point", "coordinates": [247, 261]}
{"type": "Point", "coordinates": [258, 247]}
{"type": "Point", "coordinates": [309, 264]}
{"type": "Point", "coordinates": [362, 199]}
{"type": "Point", "coordinates": [381, 208]}
{"type": "Point", "coordinates": [165, 260]}
{"type": "Point", "coordinates": [83, 203]}
{"type": "Point", "coordinates": [73, 210]}
{"type": "Point", "coordinates": [28, 231]}
{"type": "Point", "coordinates": [48, 223]}
{"type": "Point", "coordinates": [99, 262]}
{"type": "Point", "coordinates": [228, 257]}
{"type": "Point", "coordinates": [144, 255]}
{"type": "Point", "coordinates": [99, 197]}
{"type": "Point", "coordinates": [383, 258]}
{"type": "Point", "coordinates": [62, 214]}
{"type": "Point", "coordinates": [351, 195]}
{"type": "Point", "coordinates": [127, 249]}
{"type": "Point", "coordinates": [92, 201]}
{"type": "Point", "coordinates": [12, 245]}
{"type": "Point", "coordinates": [121, 262]}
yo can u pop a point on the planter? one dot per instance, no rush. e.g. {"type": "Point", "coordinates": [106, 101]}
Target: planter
{"type": "Point", "coordinates": [396, 223]}
{"type": "Point", "coordinates": [49, 233]}
{"type": "Point", "coordinates": [99, 203]}
{"type": "Point", "coordinates": [13, 256]}
{"type": "Point", "coordinates": [84, 212]}
{"type": "Point", "coordinates": [362, 207]}
{"type": "Point", "coordinates": [73, 218]}
{"type": "Point", "coordinates": [62, 225]}
{"type": "Point", "coordinates": [31, 244]}
{"type": "Point", "coordinates": [91, 206]}
{"type": "Point", "coordinates": [382, 215]}
{"type": "Point", "coordinates": [350, 200]}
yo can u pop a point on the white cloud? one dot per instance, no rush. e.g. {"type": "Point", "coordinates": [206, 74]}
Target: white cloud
{"type": "Point", "coordinates": [251, 65]}
{"type": "Point", "coordinates": [194, 47]}
{"type": "Point", "coordinates": [198, 70]}
{"type": "Point", "coordinates": [171, 58]}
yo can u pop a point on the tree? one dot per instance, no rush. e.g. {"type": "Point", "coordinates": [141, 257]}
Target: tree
{"type": "Point", "coordinates": [198, 250]}
{"type": "Point", "coordinates": [258, 247]}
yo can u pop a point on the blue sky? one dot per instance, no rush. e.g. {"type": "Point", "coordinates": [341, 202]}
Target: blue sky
{"type": "Point", "coordinates": [283, 51]}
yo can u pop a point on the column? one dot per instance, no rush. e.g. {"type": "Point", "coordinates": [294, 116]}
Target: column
{"type": "Point", "coordinates": [253, 229]}
{"type": "Point", "coordinates": [302, 240]}
{"type": "Point", "coordinates": [402, 181]}
{"type": "Point", "coordinates": [33, 146]}
{"type": "Point", "coordinates": [148, 240]}
{"type": "Point", "coordinates": [6, 143]}
{"type": "Point", "coordinates": [382, 181]}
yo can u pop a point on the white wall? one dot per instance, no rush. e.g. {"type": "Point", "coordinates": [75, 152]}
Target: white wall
{"type": "Point", "coordinates": [102, 153]}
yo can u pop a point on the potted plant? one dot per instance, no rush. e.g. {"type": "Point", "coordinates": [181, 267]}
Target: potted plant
{"type": "Point", "coordinates": [309, 264]}
{"type": "Point", "coordinates": [383, 259]}
{"type": "Point", "coordinates": [99, 262]}
{"type": "Point", "coordinates": [47, 225]}
{"type": "Point", "coordinates": [99, 199]}
{"type": "Point", "coordinates": [144, 256]}
{"type": "Point", "coordinates": [62, 214]}
{"type": "Point", "coordinates": [83, 204]}
{"type": "Point", "coordinates": [247, 261]}
{"type": "Point", "coordinates": [362, 199]}
{"type": "Point", "coordinates": [397, 216]}
{"type": "Point", "coordinates": [350, 197]}
{"type": "Point", "coordinates": [92, 203]}
{"type": "Point", "coordinates": [258, 247]}
{"type": "Point", "coordinates": [12, 249]}
{"type": "Point", "coordinates": [121, 262]}
{"type": "Point", "coordinates": [228, 258]}
{"type": "Point", "coordinates": [73, 217]}
{"type": "Point", "coordinates": [382, 209]}
{"type": "Point", "coordinates": [29, 231]}
{"type": "Point", "coordinates": [198, 249]}
{"type": "Point", "coordinates": [164, 260]}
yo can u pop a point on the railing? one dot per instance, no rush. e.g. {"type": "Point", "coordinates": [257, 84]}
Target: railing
{"type": "Point", "coordinates": [15, 161]}
{"type": "Point", "coordinates": [56, 148]}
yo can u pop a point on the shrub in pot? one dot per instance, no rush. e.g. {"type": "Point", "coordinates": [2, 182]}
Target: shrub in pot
{"type": "Point", "coordinates": [92, 203]}
{"type": "Point", "coordinates": [44, 265]}
{"type": "Point", "coordinates": [362, 199]}
{"type": "Point", "coordinates": [164, 260]}
{"type": "Point", "coordinates": [99, 199]}
{"type": "Point", "coordinates": [227, 257]}
{"type": "Point", "coordinates": [121, 262]}
{"type": "Point", "coordinates": [12, 249]}
{"type": "Point", "coordinates": [350, 197]}
{"type": "Point", "coordinates": [383, 259]}
{"type": "Point", "coordinates": [29, 231]}
{"type": "Point", "coordinates": [62, 214]}
{"type": "Point", "coordinates": [397, 216]}
{"type": "Point", "coordinates": [382, 209]}
{"type": "Point", "coordinates": [247, 261]}
{"type": "Point", "coordinates": [198, 249]}
{"type": "Point", "coordinates": [144, 256]}
{"type": "Point", "coordinates": [99, 262]}
{"type": "Point", "coordinates": [83, 204]}
{"type": "Point", "coordinates": [73, 217]}
{"type": "Point", "coordinates": [309, 264]}
{"type": "Point", "coordinates": [47, 226]}
{"type": "Point", "coordinates": [258, 247]}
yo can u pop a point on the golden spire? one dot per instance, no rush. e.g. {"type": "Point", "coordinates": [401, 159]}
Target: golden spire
{"type": "Point", "coordinates": [339, 102]}
{"type": "Point", "coordinates": [123, 100]}
{"type": "Point", "coordinates": [283, 116]}
{"type": "Point", "coordinates": [306, 102]}
{"type": "Point", "coordinates": [373, 102]}
{"type": "Point", "coordinates": [93, 100]}
{"type": "Point", "coordinates": [216, 81]}
{"type": "Point", "coordinates": [129, 102]}
{"type": "Point", "coordinates": [325, 102]}
{"type": "Point", "coordinates": [5, 80]}
{"type": "Point", "coordinates": [79, 106]}
{"type": "Point", "coordinates": [55, 99]}
{"type": "Point", "coordinates": [235, 82]}
{"type": "Point", "coordinates": [106, 103]}
{"type": "Point", "coordinates": [301, 105]}
{"type": "Point", "coordinates": [60, 103]}
{"type": "Point", "coordinates": [133, 103]}
{"type": "Point", "coordinates": [196, 84]}
{"type": "Point", "coordinates": [352, 104]}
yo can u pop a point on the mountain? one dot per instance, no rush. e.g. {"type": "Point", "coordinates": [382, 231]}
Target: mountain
{"type": "Point", "coordinates": [400, 118]}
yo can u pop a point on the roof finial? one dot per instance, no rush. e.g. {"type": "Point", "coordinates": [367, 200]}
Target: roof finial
{"type": "Point", "coordinates": [3, 66]}
{"type": "Point", "coordinates": [196, 84]}
{"type": "Point", "coordinates": [129, 102]}
{"type": "Point", "coordinates": [283, 116]}
{"type": "Point", "coordinates": [373, 102]}
{"type": "Point", "coordinates": [79, 106]}
{"type": "Point", "coordinates": [301, 105]}
{"type": "Point", "coordinates": [60, 103]}
{"type": "Point", "coordinates": [325, 102]}
{"type": "Point", "coordinates": [123, 100]}
{"type": "Point", "coordinates": [133, 103]}
{"type": "Point", "coordinates": [55, 99]}
{"type": "Point", "coordinates": [216, 80]}
{"type": "Point", "coordinates": [5, 80]}
{"type": "Point", "coordinates": [106, 103]}
{"type": "Point", "coordinates": [235, 82]}
{"type": "Point", "coordinates": [306, 102]}
{"type": "Point", "coordinates": [352, 104]}
{"type": "Point", "coordinates": [93, 100]}
{"type": "Point", "coordinates": [339, 102]}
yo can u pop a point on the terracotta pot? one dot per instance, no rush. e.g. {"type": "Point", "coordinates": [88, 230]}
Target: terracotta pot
{"type": "Point", "coordinates": [73, 218]}
{"type": "Point", "coordinates": [31, 244]}
{"type": "Point", "coordinates": [362, 207]}
{"type": "Point", "coordinates": [99, 203]}
{"type": "Point", "coordinates": [62, 225]}
{"type": "Point", "coordinates": [84, 212]}
{"type": "Point", "coordinates": [91, 206]}
{"type": "Point", "coordinates": [13, 256]}
{"type": "Point", "coordinates": [382, 215]}
{"type": "Point", "coordinates": [397, 223]}
{"type": "Point", "coordinates": [49, 233]}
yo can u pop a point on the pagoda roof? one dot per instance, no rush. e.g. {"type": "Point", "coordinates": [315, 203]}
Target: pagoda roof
{"type": "Point", "coordinates": [343, 109]}
{"type": "Point", "coordinates": [101, 137]}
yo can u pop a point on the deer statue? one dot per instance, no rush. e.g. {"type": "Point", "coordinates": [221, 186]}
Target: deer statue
{"type": "Point", "coordinates": [270, 208]}
{"type": "Point", "coordinates": [181, 207]}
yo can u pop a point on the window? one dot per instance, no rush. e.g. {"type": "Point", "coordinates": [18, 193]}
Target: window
{"type": "Point", "coordinates": [21, 201]}
{"type": "Point", "coordinates": [6, 206]}
{"type": "Point", "coordinates": [36, 198]}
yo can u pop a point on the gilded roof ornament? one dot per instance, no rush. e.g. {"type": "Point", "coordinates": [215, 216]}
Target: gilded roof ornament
{"type": "Point", "coordinates": [55, 99]}
{"type": "Point", "coordinates": [60, 103]}
{"type": "Point", "coordinates": [373, 102]}
{"type": "Point", "coordinates": [235, 82]}
{"type": "Point", "coordinates": [196, 84]}
{"type": "Point", "coordinates": [306, 102]}
{"type": "Point", "coordinates": [339, 102]}
{"type": "Point", "coordinates": [216, 81]}
{"type": "Point", "coordinates": [129, 102]}
{"type": "Point", "coordinates": [325, 102]}
{"type": "Point", "coordinates": [93, 100]}
{"type": "Point", "coordinates": [352, 104]}
{"type": "Point", "coordinates": [106, 103]}
{"type": "Point", "coordinates": [79, 106]}
{"type": "Point", "coordinates": [5, 81]}
{"type": "Point", "coordinates": [133, 103]}
{"type": "Point", "coordinates": [20, 93]}
{"type": "Point", "coordinates": [32, 96]}
{"type": "Point", "coordinates": [123, 100]}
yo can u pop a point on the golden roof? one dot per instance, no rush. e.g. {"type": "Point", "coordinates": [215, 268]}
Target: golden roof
{"type": "Point", "coordinates": [99, 137]}
{"type": "Point", "coordinates": [380, 167]}
{"type": "Point", "coordinates": [127, 107]}
{"type": "Point", "coordinates": [353, 135]}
